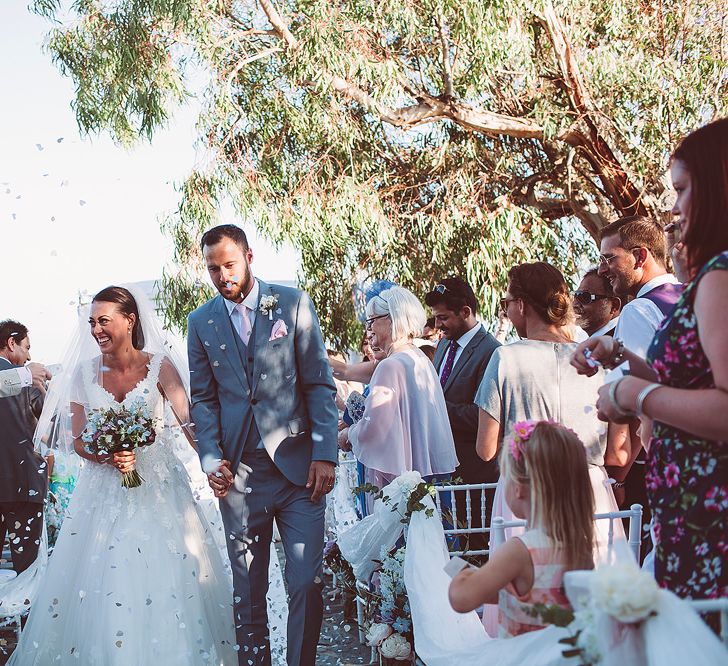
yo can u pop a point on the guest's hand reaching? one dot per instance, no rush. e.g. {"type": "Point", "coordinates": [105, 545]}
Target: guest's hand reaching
{"type": "Point", "coordinates": [343, 440]}
{"type": "Point", "coordinates": [221, 480]}
{"type": "Point", "coordinates": [40, 375]}
{"type": "Point", "coordinates": [593, 353]}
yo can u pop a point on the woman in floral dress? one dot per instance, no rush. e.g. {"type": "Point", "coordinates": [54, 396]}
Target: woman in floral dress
{"type": "Point", "coordinates": [683, 386]}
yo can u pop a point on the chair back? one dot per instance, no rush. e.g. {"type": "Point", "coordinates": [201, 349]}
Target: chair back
{"type": "Point", "coordinates": [461, 524]}
{"type": "Point", "coordinates": [714, 606]}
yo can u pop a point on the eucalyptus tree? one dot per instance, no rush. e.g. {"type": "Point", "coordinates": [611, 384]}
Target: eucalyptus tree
{"type": "Point", "coordinates": [406, 139]}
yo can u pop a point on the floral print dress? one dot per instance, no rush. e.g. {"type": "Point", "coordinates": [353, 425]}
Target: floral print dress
{"type": "Point", "coordinates": [687, 477]}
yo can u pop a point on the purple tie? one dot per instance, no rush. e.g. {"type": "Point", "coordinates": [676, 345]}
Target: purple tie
{"type": "Point", "coordinates": [449, 362]}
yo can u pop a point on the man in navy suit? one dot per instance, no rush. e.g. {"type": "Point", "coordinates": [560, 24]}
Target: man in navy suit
{"type": "Point", "coordinates": [460, 360]}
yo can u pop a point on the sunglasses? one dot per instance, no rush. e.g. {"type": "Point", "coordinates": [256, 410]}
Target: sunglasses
{"type": "Point", "coordinates": [440, 288]}
{"type": "Point", "coordinates": [585, 297]}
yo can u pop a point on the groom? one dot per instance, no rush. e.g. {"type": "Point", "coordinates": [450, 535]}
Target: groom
{"type": "Point", "coordinates": [265, 419]}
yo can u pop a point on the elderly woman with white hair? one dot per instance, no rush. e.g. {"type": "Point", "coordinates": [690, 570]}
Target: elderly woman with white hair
{"type": "Point", "coordinates": [405, 426]}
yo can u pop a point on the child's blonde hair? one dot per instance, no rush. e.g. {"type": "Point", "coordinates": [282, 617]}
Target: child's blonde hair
{"type": "Point", "coordinates": [550, 459]}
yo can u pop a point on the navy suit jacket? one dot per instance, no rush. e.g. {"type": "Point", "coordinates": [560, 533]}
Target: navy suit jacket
{"type": "Point", "coordinates": [460, 390]}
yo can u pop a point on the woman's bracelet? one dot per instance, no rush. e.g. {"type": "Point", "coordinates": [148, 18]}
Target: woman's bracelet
{"type": "Point", "coordinates": [617, 356]}
{"type": "Point", "coordinates": [642, 395]}
{"type": "Point", "coordinates": [613, 398]}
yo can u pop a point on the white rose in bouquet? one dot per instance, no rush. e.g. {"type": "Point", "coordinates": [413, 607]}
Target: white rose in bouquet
{"type": "Point", "coordinates": [625, 592]}
{"type": "Point", "coordinates": [396, 646]}
{"type": "Point", "coordinates": [378, 631]}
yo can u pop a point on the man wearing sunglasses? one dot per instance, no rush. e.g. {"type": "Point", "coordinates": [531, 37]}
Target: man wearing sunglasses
{"type": "Point", "coordinates": [595, 304]}
{"type": "Point", "coordinates": [460, 360]}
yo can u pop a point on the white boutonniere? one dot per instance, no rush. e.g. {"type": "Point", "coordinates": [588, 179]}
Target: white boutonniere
{"type": "Point", "coordinates": [267, 304]}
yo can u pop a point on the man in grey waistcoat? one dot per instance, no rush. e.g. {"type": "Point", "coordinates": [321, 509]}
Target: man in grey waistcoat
{"type": "Point", "coordinates": [263, 405]}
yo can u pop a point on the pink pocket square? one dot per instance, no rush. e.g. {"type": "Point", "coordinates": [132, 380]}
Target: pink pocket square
{"type": "Point", "coordinates": [279, 330]}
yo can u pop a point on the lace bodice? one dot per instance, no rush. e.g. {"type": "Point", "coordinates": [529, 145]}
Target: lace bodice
{"type": "Point", "coordinates": [97, 397]}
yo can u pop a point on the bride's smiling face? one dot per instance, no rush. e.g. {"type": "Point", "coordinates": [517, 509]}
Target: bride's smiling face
{"type": "Point", "coordinates": [110, 327]}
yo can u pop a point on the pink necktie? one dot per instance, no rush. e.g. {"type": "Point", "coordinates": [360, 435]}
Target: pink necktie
{"type": "Point", "coordinates": [245, 327]}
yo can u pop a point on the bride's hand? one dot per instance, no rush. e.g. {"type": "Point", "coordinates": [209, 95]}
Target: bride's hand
{"type": "Point", "coordinates": [124, 461]}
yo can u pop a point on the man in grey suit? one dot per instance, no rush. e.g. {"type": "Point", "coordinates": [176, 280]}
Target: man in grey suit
{"type": "Point", "coordinates": [266, 424]}
{"type": "Point", "coordinates": [23, 472]}
{"type": "Point", "coordinates": [460, 360]}
{"type": "Point", "coordinates": [14, 380]}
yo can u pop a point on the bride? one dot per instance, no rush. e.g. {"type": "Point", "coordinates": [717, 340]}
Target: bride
{"type": "Point", "coordinates": [136, 576]}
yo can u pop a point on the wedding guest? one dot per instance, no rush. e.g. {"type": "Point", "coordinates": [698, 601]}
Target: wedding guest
{"type": "Point", "coordinates": [634, 259]}
{"type": "Point", "coordinates": [596, 306]}
{"type": "Point", "coordinates": [547, 482]}
{"type": "Point", "coordinates": [343, 388]}
{"type": "Point", "coordinates": [683, 385]}
{"type": "Point", "coordinates": [431, 332]}
{"type": "Point", "coordinates": [23, 472]}
{"type": "Point", "coordinates": [14, 380]}
{"type": "Point", "coordinates": [532, 379]}
{"type": "Point", "coordinates": [461, 358]}
{"type": "Point", "coordinates": [405, 425]}
{"type": "Point", "coordinates": [361, 372]}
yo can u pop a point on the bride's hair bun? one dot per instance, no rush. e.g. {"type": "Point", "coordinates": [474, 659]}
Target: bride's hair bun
{"type": "Point", "coordinates": [128, 306]}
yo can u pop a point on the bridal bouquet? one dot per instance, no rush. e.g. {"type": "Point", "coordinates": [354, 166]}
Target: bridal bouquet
{"type": "Point", "coordinates": [117, 429]}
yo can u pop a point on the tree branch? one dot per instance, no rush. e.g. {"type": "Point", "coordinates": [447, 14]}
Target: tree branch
{"type": "Point", "coordinates": [625, 196]}
{"type": "Point", "coordinates": [446, 67]}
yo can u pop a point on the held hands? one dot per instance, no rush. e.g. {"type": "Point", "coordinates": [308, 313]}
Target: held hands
{"type": "Point", "coordinates": [221, 480]}
{"type": "Point", "coordinates": [321, 477]}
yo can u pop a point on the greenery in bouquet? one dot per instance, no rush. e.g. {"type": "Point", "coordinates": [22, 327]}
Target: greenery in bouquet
{"type": "Point", "coordinates": [117, 429]}
{"type": "Point", "coordinates": [389, 626]}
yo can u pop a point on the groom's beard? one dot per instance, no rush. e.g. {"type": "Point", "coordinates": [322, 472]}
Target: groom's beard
{"type": "Point", "coordinates": [236, 291]}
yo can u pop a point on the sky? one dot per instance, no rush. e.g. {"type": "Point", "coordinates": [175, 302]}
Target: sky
{"type": "Point", "coordinates": [78, 214]}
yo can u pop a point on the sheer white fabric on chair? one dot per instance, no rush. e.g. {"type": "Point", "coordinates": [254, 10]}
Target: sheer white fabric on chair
{"type": "Point", "coordinates": [714, 606]}
{"type": "Point", "coordinates": [405, 425]}
{"type": "Point", "coordinates": [362, 544]}
{"type": "Point", "coordinates": [444, 637]}
{"type": "Point", "coordinates": [675, 635]}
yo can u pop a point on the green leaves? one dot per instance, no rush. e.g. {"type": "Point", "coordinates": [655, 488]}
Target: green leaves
{"type": "Point", "coordinates": [384, 140]}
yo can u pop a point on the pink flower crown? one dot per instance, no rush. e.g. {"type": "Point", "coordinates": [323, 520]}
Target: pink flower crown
{"type": "Point", "coordinates": [522, 432]}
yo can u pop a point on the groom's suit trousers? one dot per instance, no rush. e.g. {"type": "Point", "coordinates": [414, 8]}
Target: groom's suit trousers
{"type": "Point", "coordinates": [259, 494]}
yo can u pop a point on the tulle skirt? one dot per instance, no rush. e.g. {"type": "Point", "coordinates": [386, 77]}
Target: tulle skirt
{"type": "Point", "coordinates": [135, 578]}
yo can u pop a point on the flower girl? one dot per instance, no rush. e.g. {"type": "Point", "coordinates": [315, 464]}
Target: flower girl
{"type": "Point", "coordinates": [547, 482]}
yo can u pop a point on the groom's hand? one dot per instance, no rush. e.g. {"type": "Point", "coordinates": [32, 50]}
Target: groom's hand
{"type": "Point", "coordinates": [221, 480]}
{"type": "Point", "coordinates": [321, 477]}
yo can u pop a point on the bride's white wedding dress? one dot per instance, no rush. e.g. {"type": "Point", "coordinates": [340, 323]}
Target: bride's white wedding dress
{"type": "Point", "coordinates": [136, 576]}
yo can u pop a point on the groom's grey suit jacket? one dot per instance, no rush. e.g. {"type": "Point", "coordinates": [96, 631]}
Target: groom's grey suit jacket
{"type": "Point", "coordinates": [280, 391]}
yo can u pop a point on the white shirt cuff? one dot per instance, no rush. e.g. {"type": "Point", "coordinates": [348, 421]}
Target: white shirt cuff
{"type": "Point", "coordinates": [26, 378]}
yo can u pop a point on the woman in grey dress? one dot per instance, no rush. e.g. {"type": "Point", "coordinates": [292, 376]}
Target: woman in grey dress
{"type": "Point", "coordinates": [532, 379]}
